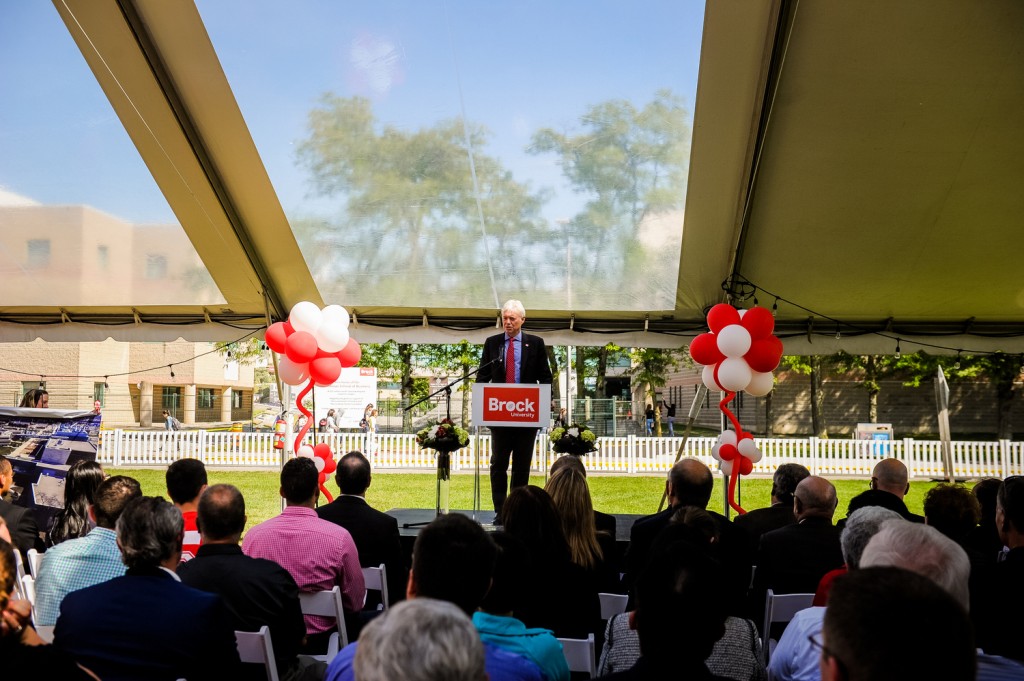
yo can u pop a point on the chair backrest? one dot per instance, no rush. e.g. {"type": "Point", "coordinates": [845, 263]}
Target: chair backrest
{"type": "Point", "coordinates": [327, 604]}
{"type": "Point", "coordinates": [256, 647]}
{"type": "Point", "coordinates": [376, 579]}
{"type": "Point", "coordinates": [19, 566]}
{"type": "Point", "coordinates": [612, 604]}
{"type": "Point", "coordinates": [35, 559]}
{"type": "Point", "coordinates": [780, 608]}
{"type": "Point", "coordinates": [580, 654]}
{"type": "Point", "coordinates": [28, 589]}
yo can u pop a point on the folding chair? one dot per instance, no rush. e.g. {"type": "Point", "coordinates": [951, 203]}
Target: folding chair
{"type": "Point", "coordinates": [376, 579]}
{"type": "Point", "coordinates": [256, 647]}
{"type": "Point", "coordinates": [28, 590]}
{"type": "Point", "coordinates": [19, 566]}
{"type": "Point", "coordinates": [780, 608]}
{"type": "Point", "coordinates": [35, 559]}
{"type": "Point", "coordinates": [612, 604]}
{"type": "Point", "coordinates": [580, 655]}
{"type": "Point", "coordinates": [327, 604]}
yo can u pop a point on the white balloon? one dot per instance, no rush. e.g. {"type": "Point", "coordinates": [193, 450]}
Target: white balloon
{"type": "Point", "coordinates": [305, 450]}
{"type": "Point", "coordinates": [335, 314]}
{"type": "Point", "coordinates": [747, 447]}
{"type": "Point", "coordinates": [725, 467]}
{"type": "Point", "coordinates": [305, 316]}
{"type": "Point", "coordinates": [292, 373]}
{"type": "Point", "coordinates": [331, 336]}
{"type": "Point", "coordinates": [734, 373]}
{"type": "Point", "coordinates": [733, 340]}
{"type": "Point", "coordinates": [728, 437]}
{"type": "Point", "coordinates": [761, 383]}
{"type": "Point", "coordinates": [320, 463]}
{"type": "Point", "coordinates": [756, 456]}
{"type": "Point", "coordinates": [714, 453]}
{"type": "Point", "coordinates": [708, 376]}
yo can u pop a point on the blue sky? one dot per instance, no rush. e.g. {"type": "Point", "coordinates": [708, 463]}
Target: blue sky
{"type": "Point", "coordinates": [521, 66]}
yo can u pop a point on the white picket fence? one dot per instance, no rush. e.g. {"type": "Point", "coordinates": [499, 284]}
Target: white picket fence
{"type": "Point", "coordinates": [629, 455]}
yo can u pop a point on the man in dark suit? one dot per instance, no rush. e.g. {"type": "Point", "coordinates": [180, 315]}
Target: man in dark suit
{"type": "Point", "coordinates": [890, 483]}
{"type": "Point", "coordinates": [780, 513]}
{"type": "Point", "coordinates": [375, 533]}
{"type": "Point", "coordinates": [1000, 626]}
{"type": "Point", "coordinates": [512, 357]}
{"type": "Point", "coordinates": [147, 624]}
{"type": "Point", "coordinates": [256, 591]}
{"type": "Point", "coordinates": [21, 523]}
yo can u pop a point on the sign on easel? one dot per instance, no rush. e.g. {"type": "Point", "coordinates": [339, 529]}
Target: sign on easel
{"type": "Point", "coordinates": [514, 405]}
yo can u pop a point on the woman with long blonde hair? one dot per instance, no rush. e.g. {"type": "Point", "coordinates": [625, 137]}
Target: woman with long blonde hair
{"type": "Point", "coordinates": [568, 489]}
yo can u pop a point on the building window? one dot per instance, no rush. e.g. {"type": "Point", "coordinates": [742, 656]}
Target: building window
{"type": "Point", "coordinates": [26, 386]}
{"type": "Point", "coordinates": [156, 266]}
{"type": "Point", "coordinates": [204, 398]}
{"type": "Point", "coordinates": [103, 257]}
{"type": "Point", "coordinates": [171, 399]}
{"type": "Point", "coordinates": [99, 393]}
{"type": "Point", "coordinates": [236, 399]}
{"type": "Point", "coordinates": [38, 253]}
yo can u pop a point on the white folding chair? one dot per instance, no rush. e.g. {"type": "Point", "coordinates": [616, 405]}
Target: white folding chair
{"type": "Point", "coordinates": [327, 604]}
{"type": "Point", "coordinates": [19, 566]}
{"type": "Point", "coordinates": [35, 559]}
{"type": "Point", "coordinates": [612, 604]}
{"type": "Point", "coordinates": [780, 608]}
{"type": "Point", "coordinates": [256, 647]}
{"type": "Point", "coordinates": [28, 589]}
{"type": "Point", "coordinates": [580, 654]}
{"type": "Point", "coordinates": [376, 579]}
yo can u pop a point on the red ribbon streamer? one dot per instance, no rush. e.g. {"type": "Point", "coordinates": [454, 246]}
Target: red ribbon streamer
{"type": "Point", "coordinates": [305, 429]}
{"type": "Point", "coordinates": [735, 475]}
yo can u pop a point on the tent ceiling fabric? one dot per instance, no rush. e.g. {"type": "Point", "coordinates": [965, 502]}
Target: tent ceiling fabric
{"type": "Point", "coordinates": [861, 161]}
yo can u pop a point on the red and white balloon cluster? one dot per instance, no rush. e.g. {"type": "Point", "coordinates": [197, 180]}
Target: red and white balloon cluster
{"type": "Point", "coordinates": [740, 352]}
{"type": "Point", "coordinates": [732, 451]}
{"type": "Point", "coordinates": [323, 457]}
{"type": "Point", "coordinates": [315, 344]}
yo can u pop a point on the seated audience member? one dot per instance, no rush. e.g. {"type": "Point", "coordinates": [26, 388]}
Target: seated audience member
{"type": "Point", "coordinates": [23, 652]}
{"type": "Point", "coordinates": [603, 522]}
{"type": "Point", "coordinates": [496, 621]}
{"type": "Point", "coordinates": [186, 480]}
{"type": "Point", "coordinates": [21, 523]}
{"type": "Point", "coordinates": [94, 558]}
{"type": "Point", "coordinates": [985, 537]}
{"type": "Point", "coordinates": [589, 549]}
{"type": "Point", "coordinates": [860, 527]}
{"type": "Point", "coordinates": [954, 511]}
{"type": "Point", "coordinates": [422, 640]}
{"type": "Point", "coordinates": [1000, 627]}
{"type": "Point", "coordinates": [255, 591]}
{"type": "Point", "coordinates": [375, 533]}
{"type": "Point", "coordinates": [566, 600]}
{"type": "Point", "coordinates": [147, 624]}
{"type": "Point", "coordinates": [318, 554]}
{"type": "Point", "coordinates": [736, 655]}
{"type": "Point", "coordinates": [452, 561]}
{"type": "Point", "coordinates": [72, 521]}
{"type": "Point", "coordinates": [890, 624]}
{"type": "Point", "coordinates": [36, 398]}
{"type": "Point", "coordinates": [889, 485]}
{"type": "Point", "coordinates": [780, 513]}
{"type": "Point", "coordinates": [679, 616]}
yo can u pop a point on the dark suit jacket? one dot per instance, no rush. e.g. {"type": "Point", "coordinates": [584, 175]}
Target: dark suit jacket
{"type": "Point", "coordinates": [376, 537]}
{"type": "Point", "coordinates": [255, 592]}
{"type": "Point", "coordinates": [147, 625]}
{"type": "Point", "coordinates": [762, 520]}
{"type": "Point", "coordinates": [878, 497]}
{"type": "Point", "coordinates": [23, 528]}
{"type": "Point", "coordinates": [999, 626]}
{"type": "Point", "coordinates": [533, 363]}
{"type": "Point", "coordinates": [793, 559]}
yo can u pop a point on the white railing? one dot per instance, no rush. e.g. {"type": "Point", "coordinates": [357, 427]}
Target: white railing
{"type": "Point", "coordinates": [617, 455]}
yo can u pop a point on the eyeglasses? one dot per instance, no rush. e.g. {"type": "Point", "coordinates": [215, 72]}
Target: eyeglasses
{"type": "Point", "coordinates": [817, 644]}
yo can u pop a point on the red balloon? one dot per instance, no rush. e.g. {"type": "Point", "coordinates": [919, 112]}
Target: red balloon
{"type": "Point", "coordinates": [704, 350]}
{"type": "Point", "coordinates": [276, 336]}
{"type": "Point", "coordinates": [728, 452]}
{"type": "Point", "coordinates": [746, 465]}
{"type": "Point", "coordinates": [721, 316]}
{"type": "Point", "coordinates": [324, 370]}
{"type": "Point", "coordinates": [323, 450]}
{"type": "Point", "coordinates": [764, 354]}
{"type": "Point", "coordinates": [350, 354]}
{"type": "Point", "coordinates": [759, 322]}
{"type": "Point", "coordinates": [301, 347]}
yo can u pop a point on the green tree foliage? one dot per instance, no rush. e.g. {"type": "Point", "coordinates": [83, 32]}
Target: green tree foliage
{"type": "Point", "coordinates": [651, 367]}
{"type": "Point", "coordinates": [455, 360]}
{"type": "Point", "coordinates": [816, 367]}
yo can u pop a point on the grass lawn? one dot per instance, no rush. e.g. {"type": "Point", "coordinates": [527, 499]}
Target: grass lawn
{"type": "Point", "coordinates": [612, 494]}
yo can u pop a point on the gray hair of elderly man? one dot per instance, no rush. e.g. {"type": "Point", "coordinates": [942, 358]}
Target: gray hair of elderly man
{"type": "Point", "coordinates": [421, 639]}
{"type": "Point", "coordinates": [924, 550]}
{"type": "Point", "coordinates": [861, 526]}
{"type": "Point", "coordinates": [514, 306]}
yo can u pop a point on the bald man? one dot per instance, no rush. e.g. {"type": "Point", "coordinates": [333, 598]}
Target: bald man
{"type": "Point", "coordinates": [889, 484]}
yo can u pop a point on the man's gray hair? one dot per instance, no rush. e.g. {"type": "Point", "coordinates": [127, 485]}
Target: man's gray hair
{"type": "Point", "coordinates": [514, 306]}
{"type": "Point", "coordinates": [421, 639]}
{"type": "Point", "coordinates": [149, 532]}
{"type": "Point", "coordinates": [861, 526]}
{"type": "Point", "coordinates": [924, 550]}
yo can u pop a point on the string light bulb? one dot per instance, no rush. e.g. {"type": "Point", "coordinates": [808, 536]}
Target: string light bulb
{"type": "Point", "coordinates": [839, 333]}
{"type": "Point", "coordinates": [897, 348]}
{"type": "Point", "coordinates": [42, 382]}
{"type": "Point", "coordinates": [171, 367]}
{"type": "Point", "coordinates": [106, 386]}
{"type": "Point", "coordinates": [956, 364]}
{"type": "Point", "coordinates": [775, 307]}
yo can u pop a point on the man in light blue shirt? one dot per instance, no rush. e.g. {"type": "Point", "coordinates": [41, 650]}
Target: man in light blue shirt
{"type": "Point", "coordinates": [94, 558]}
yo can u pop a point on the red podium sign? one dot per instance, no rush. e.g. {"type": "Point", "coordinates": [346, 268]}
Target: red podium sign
{"type": "Point", "coordinates": [516, 405]}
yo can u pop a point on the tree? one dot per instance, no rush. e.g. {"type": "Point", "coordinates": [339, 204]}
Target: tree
{"type": "Point", "coordinates": [874, 368]}
{"type": "Point", "coordinates": [650, 366]}
{"type": "Point", "coordinates": [459, 359]}
{"type": "Point", "coordinates": [815, 366]}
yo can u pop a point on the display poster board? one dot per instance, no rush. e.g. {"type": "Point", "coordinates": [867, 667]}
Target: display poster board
{"type": "Point", "coordinates": [880, 434]}
{"type": "Point", "coordinates": [516, 405]}
{"type": "Point", "coordinates": [348, 396]}
{"type": "Point", "coordinates": [41, 445]}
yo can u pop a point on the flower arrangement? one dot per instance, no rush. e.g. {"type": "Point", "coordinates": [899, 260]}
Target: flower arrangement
{"type": "Point", "coordinates": [443, 436]}
{"type": "Point", "coordinates": [574, 439]}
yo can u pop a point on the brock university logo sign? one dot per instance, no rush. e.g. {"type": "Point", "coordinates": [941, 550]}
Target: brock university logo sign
{"type": "Point", "coordinates": [511, 404]}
